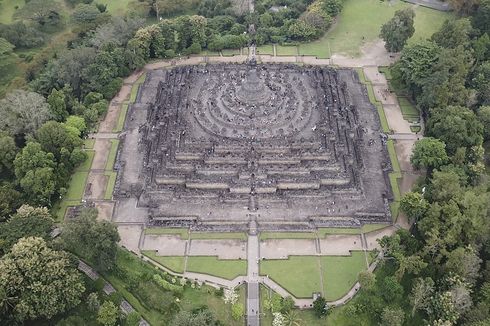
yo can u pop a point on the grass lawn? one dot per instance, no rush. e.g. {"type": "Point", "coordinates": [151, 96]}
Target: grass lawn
{"type": "Point", "coordinates": [135, 88]}
{"type": "Point", "coordinates": [409, 111]}
{"type": "Point", "coordinates": [230, 52]}
{"type": "Point", "coordinates": [76, 187]}
{"type": "Point", "coordinates": [360, 23]}
{"type": "Point", "coordinates": [286, 235]}
{"type": "Point", "coordinates": [340, 273]}
{"type": "Point", "coordinates": [300, 275]}
{"type": "Point", "coordinates": [7, 10]}
{"type": "Point", "coordinates": [322, 232]}
{"type": "Point", "coordinates": [110, 184]}
{"type": "Point", "coordinates": [116, 7]}
{"type": "Point", "coordinates": [265, 49]}
{"type": "Point", "coordinates": [174, 263]}
{"type": "Point", "coordinates": [394, 159]}
{"type": "Point", "coordinates": [286, 50]}
{"type": "Point", "coordinates": [184, 233]}
{"type": "Point", "coordinates": [366, 228]}
{"type": "Point", "coordinates": [89, 143]}
{"type": "Point", "coordinates": [211, 265]}
{"type": "Point", "coordinates": [121, 118]}
{"type": "Point", "coordinates": [220, 235]}
{"type": "Point", "coordinates": [85, 166]}
{"type": "Point", "coordinates": [111, 158]}
{"type": "Point", "coordinates": [394, 176]}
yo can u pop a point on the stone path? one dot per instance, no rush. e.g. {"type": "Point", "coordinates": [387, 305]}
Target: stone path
{"type": "Point", "coordinates": [253, 299]}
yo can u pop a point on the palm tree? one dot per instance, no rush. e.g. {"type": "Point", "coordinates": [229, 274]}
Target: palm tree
{"type": "Point", "coordinates": [6, 302]}
{"type": "Point", "coordinates": [292, 318]}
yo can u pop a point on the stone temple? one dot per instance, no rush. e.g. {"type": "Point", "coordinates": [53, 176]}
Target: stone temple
{"type": "Point", "coordinates": [216, 147]}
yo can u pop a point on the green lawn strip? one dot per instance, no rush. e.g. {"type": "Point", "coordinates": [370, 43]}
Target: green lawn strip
{"type": "Point", "coordinates": [286, 50]}
{"type": "Point", "coordinates": [394, 159]}
{"type": "Point", "coordinates": [366, 228]}
{"type": "Point", "coordinates": [121, 118]}
{"type": "Point", "coordinates": [174, 263]}
{"type": "Point", "coordinates": [287, 235]}
{"type": "Point", "coordinates": [111, 157]}
{"type": "Point", "coordinates": [87, 164]}
{"type": "Point", "coordinates": [322, 232]}
{"type": "Point", "coordinates": [135, 88]}
{"type": "Point", "coordinates": [110, 184]}
{"type": "Point", "coordinates": [265, 49]}
{"type": "Point", "coordinates": [89, 143]}
{"type": "Point", "coordinates": [409, 111]}
{"type": "Point", "coordinates": [59, 209]}
{"type": "Point", "coordinates": [300, 275]}
{"type": "Point", "coordinates": [76, 186]}
{"type": "Point", "coordinates": [426, 22]}
{"type": "Point", "coordinates": [320, 48]}
{"type": "Point", "coordinates": [230, 52]}
{"type": "Point", "coordinates": [183, 233]}
{"type": "Point", "coordinates": [415, 129]}
{"type": "Point", "coordinates": [340, 273]}
{"type": "Point", "coordinates": [218, 235]}
{"type": "Point", "coordinates": [228, 269]}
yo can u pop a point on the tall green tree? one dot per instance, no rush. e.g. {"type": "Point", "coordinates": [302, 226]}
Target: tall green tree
{"type": "Point", "coordinates": [57, 104]}
{"type": "Point", "coordinates": [429, 153]}
{"type": "Point", "coordinates": [8, 151]}
{"type": "Point", "coordinates": [43, 281]}
{"type": "Point", "coordinates": [23, 112]}
{"type": "Point", "coordinates": [94, 240]}
{"type": "Point", "coordinates": [398, 30]}
{"type": "Point", "coordinates": [27, 222]}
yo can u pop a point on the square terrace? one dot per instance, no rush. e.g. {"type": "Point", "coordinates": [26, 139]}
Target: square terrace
{"type": "Point", "coordinates": [289, 147]}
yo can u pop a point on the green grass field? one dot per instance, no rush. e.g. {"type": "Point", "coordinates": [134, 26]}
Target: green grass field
{"type": "Point", "coordinates": [228, 269]}
{"type": "Point", "coordinates": [121, 118]}
{"type": "Point", "coordinates": [183, 233]}
{"type": "Point", "coordinates": [111, 157]}
{"type": "Point", "coordinates": [7, 10]}
{"type": "Point", "coordinates": [220, 235]}
{"type": "Point", "coordinates": [85, 166]}
{"type": "Point", "coordinates": [286, 50]}
{"type": "Point", "coordinates": [360, 22]}
{"type": "Point", "coordinates": [89, 143]}
{"type": "Point", "coordinates": [174, 263]}
{"type": "Point", "coordinates": [76, 187]}
{"type": "Point", "coordinates": [116, 7]}
{"type": "Point", "coordinates": [110, 184]}
{"type": "Point", "coordinates": [286, 235]}
{"type": "Point", "coordinates": [302, 277]}
{"type": "Point", "coordinates": [340, 273]}
{"type": "Point", "coordinates": [265, 49]}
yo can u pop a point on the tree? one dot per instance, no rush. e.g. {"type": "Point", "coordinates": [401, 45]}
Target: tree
{"type": "Point", "coordinates": [23, 112]}
{"type": "Point", "coordinates": [55, 137]}
{"type": "Point", "coordinates": [422, 291]}
{"type": "Point", "coordinates": [416, 62]}
{"type": "Point", "coordinates": [56, 101]}
{"type": "Point", "coordinates": [414, 205]}
{"type": "Point", "coordinates": [94, 240]}
{"type": "Point", "coordinates": [42, 281]}
{"type": "Point", "coordinates": [484, 118]}
{"type": "Point", "coordinates": [367, 280]}
{"type": "Point", "coordinates": [93, 302]}
{"type": "Point", "coordinates": [465, 263]}
{"type": "Point", "coordinates": [292, 319]}
{"type": "Point", "coordinates": [27, 222]}
{"type": "Point", "coordinates": [287, 304]}
{"type": "Point", "coordinates": [391, 290]}
{"type": "Point", "coordinates": [108, 314]}
{"type": "Point", "coordinates": [21, 35]}
{"type": "Point", "coordinates": [456, 127]}
{"type": "Point", "coordinates": [464, 7]}
{"type": "Point", "coordinates": [398, 30]}
{"type": "Point", "coordinates": [481, 19]}
{"type": "Point", "coordinates": [320, 307]}
{"type": "Point", "coordinates": [429, 153]}
{"type": "Point", "coordinates": [34, 168]}
{"type": "Point", "coordinates": [9, 200]}
{"type": "Point", "coordinates": [8, 151]}
{"type": "Point", "coordinates": [392, 316]}
{"type": "Point", "coordinates": [453, 33]}
{"type": "Point", "coordinates": [78, 123]}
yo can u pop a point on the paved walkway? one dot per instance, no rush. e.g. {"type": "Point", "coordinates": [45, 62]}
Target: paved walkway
{"type": "Point", "coordinates": [253, 299]}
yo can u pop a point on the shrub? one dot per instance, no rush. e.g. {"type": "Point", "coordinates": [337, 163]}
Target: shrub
{"type": "Point", "coordinates": [166, 285]}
